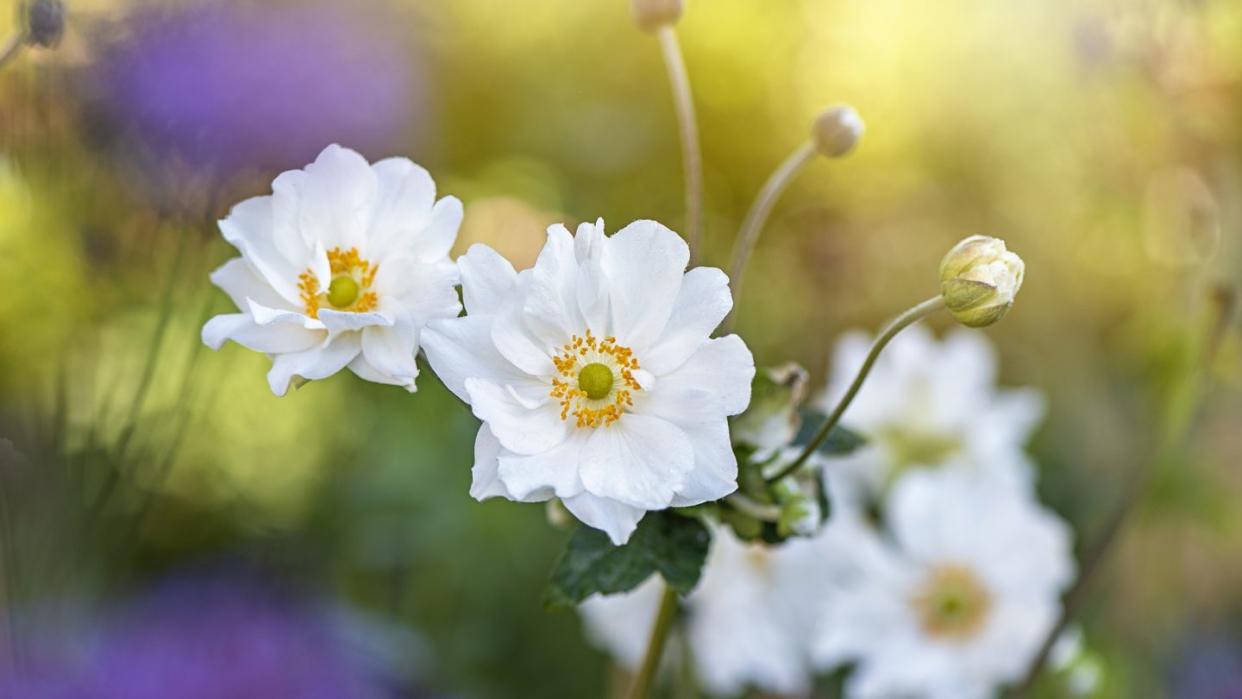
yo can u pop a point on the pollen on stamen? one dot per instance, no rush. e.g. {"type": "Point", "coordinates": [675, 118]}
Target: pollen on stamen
{"type": "Point", "coordinates": [573, 390]}
{"type": "Point", "coordinates": [342, 264]}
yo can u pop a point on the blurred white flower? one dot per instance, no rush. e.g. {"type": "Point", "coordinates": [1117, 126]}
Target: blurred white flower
{"type": "Point", "coordinates": [341, 266]}
{"type": "Point", "coordinates": [953, 600]}
{"type": "Point", "coordinates": [595, 376]}
{"type": "Point", "coordinates": [747, 623]}
{"type": "Point", "coordinates": [928, 403]}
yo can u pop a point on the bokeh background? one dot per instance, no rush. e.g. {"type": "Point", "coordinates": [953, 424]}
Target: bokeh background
{"type": "Point", "coordinates": [1101, 138]}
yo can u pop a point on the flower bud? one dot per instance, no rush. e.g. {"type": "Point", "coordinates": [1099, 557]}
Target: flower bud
{"type": "Point", "coordinates": [837, 130]}
{"type": "Point", "coordinates": [45, 22]}
{"type": "Point", "coordinates": [650, 15]}
{"type": "Point", "coordinates": [979, 278]}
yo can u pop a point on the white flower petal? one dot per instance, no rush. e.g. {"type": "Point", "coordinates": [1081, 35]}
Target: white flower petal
{"type": "Point", "coordinates": [269, 339]}
{"type": "Point", "coordinates": [639, 460]}
{"type": "Point", "coordinates": [485, 479]}
{"type": "Point", "coordinates": [519, 344]}
{"type": "Point", "coordinates": [404, 196]}
{"type": "Point", "coordinates": [644, 263]}
{"type": "Point", "coordinates": [347, 321]}
{"type": "Point", "coordinates": [365, 371]}
{"type": "Point", "coordinates": [441, 233]}
{"type": "Point", "coordinates": [267, 316]}
{"type": "Point", "coordinates": [422, 289]}
{"type": "Point", "coordinates": [615, 519]}
{"type": "Point", "coordinates": [249, 227]}
{"type": "Point", "coordinates": [714, 382]}
{"type": "Point", "coordinates": [715, 466]}
{"type": "Point", "coordinates": [553, 472]}
{"type": "Point", "coordinates": [487, 279]}
{"type": "Point", "coordinates": [241, 282]}
{"type": "Point", "coordinates": [462, 348]}
{"type": "Point", "coordinates": [702, 303]}
{"type": "Point", "coordinates": [336, 199]}
{"type": "Point", "coordinates": [392, 350]}
{"type": "Point", "coordinates": [520, 429]}
{"type": "Point", "coordinates": [550, 308]}
{"type": "Point", "coordinates": [316, 363]}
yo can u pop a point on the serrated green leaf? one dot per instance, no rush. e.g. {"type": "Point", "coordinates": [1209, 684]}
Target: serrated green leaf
{"type": "Point", "coordinates": [664, 543]}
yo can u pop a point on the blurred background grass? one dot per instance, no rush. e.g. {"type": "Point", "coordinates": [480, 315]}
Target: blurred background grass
{"type": "Point", "coordinates": [1101, 138]}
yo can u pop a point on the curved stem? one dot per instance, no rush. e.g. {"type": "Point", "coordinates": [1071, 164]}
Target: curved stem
{"type": "Point", "coordinates": [895, 326]}
{"type": "Point", "coordinates": [645, 678]}
{"type": "Point", "coordinates": [752, 225]}
{"type": "Point", "coordinates": [691, 154]}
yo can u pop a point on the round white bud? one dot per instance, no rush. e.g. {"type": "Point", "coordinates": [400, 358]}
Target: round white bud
{"type": "Point", "coordinates": [837, 130]}
{"type": "Point", "coordinates": [650, 15]}
{"type": "Point", "coordinates": [979, 279]}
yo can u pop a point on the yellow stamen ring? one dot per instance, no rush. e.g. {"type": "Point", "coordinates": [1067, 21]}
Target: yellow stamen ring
{"type": "Point", "coordinates": [350, 288]}
{"type": "Point", "coordinates": [594, 380]}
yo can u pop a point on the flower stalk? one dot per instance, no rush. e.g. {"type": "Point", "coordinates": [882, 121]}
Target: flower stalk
{"type": "Point", "coordinates": [687, 125]}
{"type": "Point", "coordinates": [660, 630]}
{"type": "Point", "coordinates": [901, 322]}
{"type": "Point", "coordinates": [755, 219]}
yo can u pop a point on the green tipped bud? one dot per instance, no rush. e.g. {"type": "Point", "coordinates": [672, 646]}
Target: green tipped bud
{"type": "Point", "coordinates": [837, 130]}
{"type": "Point", "coordinates": [979, 279]}
{"type": "Point", "coordinates": [650, 15]}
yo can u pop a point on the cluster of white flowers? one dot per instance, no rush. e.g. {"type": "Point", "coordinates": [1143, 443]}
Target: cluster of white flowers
{"type": "Point", "coordinates": [939, 574]}
{"type": "Point", "coordinates": [597, 382]}
{"type": "Point", "coordinates": [594, 372]}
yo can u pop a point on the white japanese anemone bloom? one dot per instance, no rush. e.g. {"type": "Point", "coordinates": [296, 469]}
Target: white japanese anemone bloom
{"type": "Point", "coordinates": [341, 266]}
{"type": "Point", "coordinates": [953, 600]}
{"type": "Point", "coordinates": [595, 375]}
{"type": "Point", "coordinates": [746, 623]}
{"type": "Point", "coordinates": [929, 403]}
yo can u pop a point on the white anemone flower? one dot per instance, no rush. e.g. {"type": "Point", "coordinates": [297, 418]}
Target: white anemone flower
{"type": "Point", "coordinates": [746, 623]}
{"type": "Point", "coordinates": [341, 266]}
{"type": "Point", "coordinates": [595, 375]}
{"type": "Point", "coordinates": [951, 602]}
{"type": "Point", "coordinates": [929, 403]}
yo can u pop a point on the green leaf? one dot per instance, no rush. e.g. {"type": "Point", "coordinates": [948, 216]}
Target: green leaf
{"type": "Point", "coordinates": [841, 441]}
{"type": "Point", "coordinates": [664, 543]}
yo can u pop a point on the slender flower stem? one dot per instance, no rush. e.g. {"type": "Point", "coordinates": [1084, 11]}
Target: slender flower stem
{"type": "Point", "coordinates": [645, 678]}
{"type": "Point", "coordinates": [11, 47]}
{"type": "Point", "coordinates": [894, 327]}
{"type": "Point", "coordinates": [691, 153]}
{"type": "Point", "coordinates": [752, 225]}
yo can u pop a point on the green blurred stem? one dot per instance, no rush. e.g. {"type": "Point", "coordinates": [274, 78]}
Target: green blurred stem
{"type": "Point", "coordinates": [645, 678]}
{"type": "Point", "coordinates": [758, 510]}
{"type": "Point", "coordinates": [11, 47]}
{"type": "Point", "coordinates": [687, 123]}
{"type": "Point", "coordinates": [1179, 410]}
{"type": "Point", "coordinates": [755, 219]}
{"type": "Point", "coordinates": [894, 327]}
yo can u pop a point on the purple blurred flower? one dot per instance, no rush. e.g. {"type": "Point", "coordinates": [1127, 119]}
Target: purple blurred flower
{"type": "Point", "coordinates": [226, 85]}
{"type": "Point", "coordinates": [1209, 667]}
{"type": "Point", "coordinates": [214, 637]}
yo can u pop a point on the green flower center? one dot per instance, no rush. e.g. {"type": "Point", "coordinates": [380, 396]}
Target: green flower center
{"type": "Point", "coordinates": [343, 291]}
{"type": "Point", "coordinates": [595, 380]}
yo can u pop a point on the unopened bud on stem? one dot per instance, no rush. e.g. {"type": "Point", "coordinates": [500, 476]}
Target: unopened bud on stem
{"type": "Point", "coordinates": [979, 278]}
{"type": "Point", "coordinates": [837, 130]}
{"type": "Point", "coordinates": [650, 15]}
